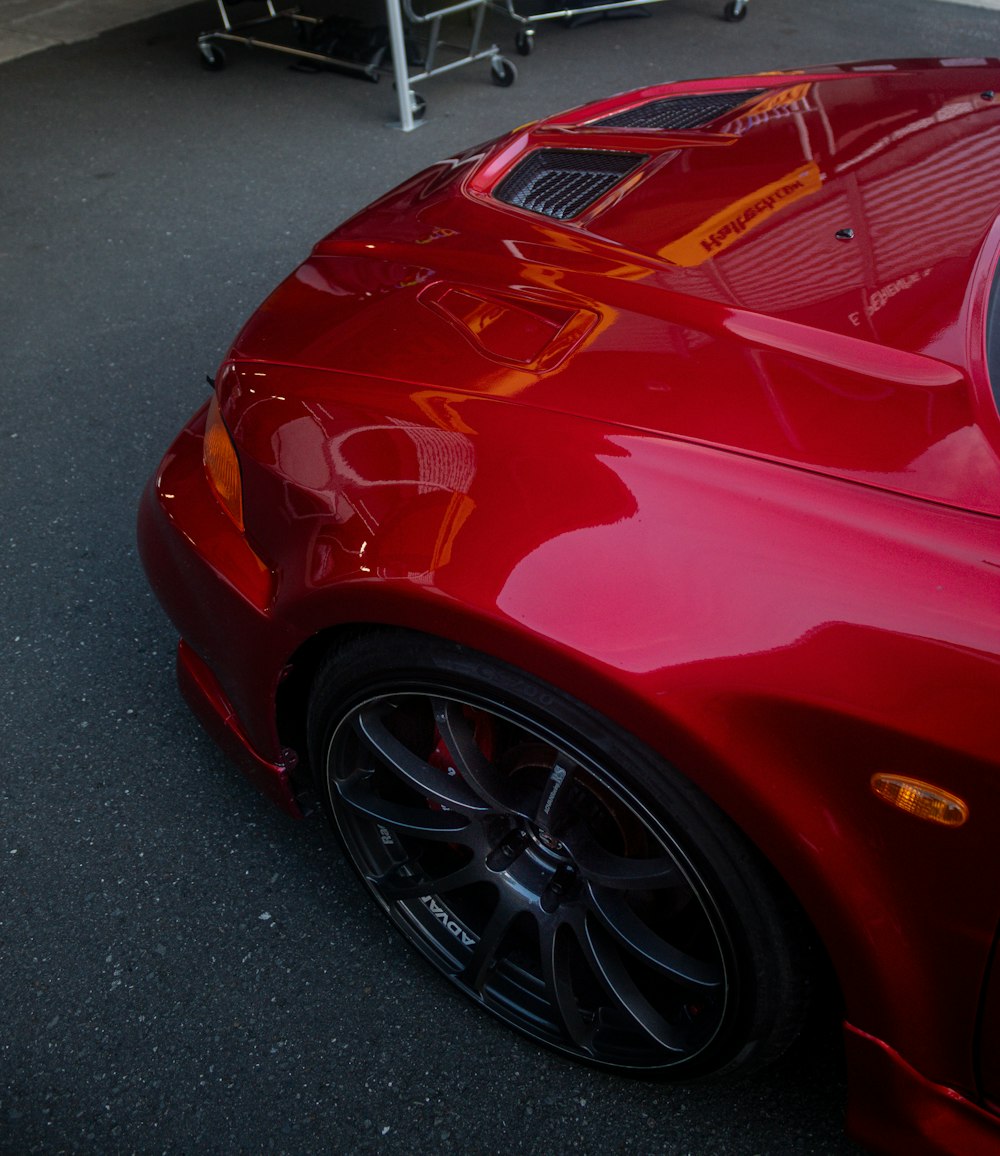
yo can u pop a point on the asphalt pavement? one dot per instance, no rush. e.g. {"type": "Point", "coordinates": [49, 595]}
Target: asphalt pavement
{"type": "Point", "coordinates": [184, 968]}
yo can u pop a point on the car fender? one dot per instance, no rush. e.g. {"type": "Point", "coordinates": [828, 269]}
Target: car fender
{"type": "Point", "coordinates": [708, 602]}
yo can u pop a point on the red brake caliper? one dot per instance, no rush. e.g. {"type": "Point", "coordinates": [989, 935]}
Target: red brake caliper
{"type": "Point", "coordinates": [485, 738]}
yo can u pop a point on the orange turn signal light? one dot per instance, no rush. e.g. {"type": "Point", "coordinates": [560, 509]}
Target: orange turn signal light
{"type": "Point", "coordinates": [222, 464]}
{"type": "Point", "coordinates": [920, 799]}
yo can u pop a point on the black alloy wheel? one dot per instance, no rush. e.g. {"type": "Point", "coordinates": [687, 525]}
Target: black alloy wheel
{"type": "Point", "coordinates": [549, 865]}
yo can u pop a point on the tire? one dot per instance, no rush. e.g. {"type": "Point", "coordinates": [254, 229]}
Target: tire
{"type": "Point", "coordinates": [551, 866]}
{"type": "Point", "coordinates": [502, 72]}
{"type": "Point", "coordinates": [213, 58]}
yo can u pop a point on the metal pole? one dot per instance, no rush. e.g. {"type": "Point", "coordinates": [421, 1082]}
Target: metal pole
{"type": "Point", "coordinates": [399, 66]}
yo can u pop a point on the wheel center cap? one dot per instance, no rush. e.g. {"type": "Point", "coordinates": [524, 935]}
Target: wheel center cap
{"type": "Point", "coordinates": [549, 841]}
{"type": "Point", "coordinates": [553, 850]}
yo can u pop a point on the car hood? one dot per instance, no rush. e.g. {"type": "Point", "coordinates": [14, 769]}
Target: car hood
{"type": "Point", "coordinates": [794, 266]}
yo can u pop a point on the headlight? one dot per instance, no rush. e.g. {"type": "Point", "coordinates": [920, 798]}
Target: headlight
{"type": "Point", "coordinates": [222, 465]}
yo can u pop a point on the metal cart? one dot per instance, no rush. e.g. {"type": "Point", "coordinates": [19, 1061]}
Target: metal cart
{"type": "Point", "coordinates": [411, 105]}
{"type": "Point", "coordinates": [502, 71]}
{"type": "Point", "coordinates": [733, 12]}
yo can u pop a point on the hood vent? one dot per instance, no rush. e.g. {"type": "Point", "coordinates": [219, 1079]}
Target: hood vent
{"type": "Point", "coordinates": [680, 113]}
{"type": "Point", "coordinates": [561, 183]}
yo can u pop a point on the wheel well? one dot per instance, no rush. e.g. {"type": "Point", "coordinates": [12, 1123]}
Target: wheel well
{"type": "Point", "coordinates": [385, 692]}
{"type": "Point", "coordinates": [292, 699]}
{"type": "Point", "coordinates": [292, 709]}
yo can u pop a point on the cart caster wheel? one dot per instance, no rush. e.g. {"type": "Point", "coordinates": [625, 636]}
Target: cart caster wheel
{"type": "Point", "coordinates": [418, 106]}
{"type": "Point", "coordinates": [502, 72]}
{"type": "Point", "coordinates": [734, 14]}
{"type": "Point", "coordinates": [212, 57]}
{"type": "Point", "coordinates": [524, 42]}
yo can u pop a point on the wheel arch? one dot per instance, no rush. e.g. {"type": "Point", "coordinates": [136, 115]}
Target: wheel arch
{"type": "Point", "coordinates": [669, 739]}
{"type": "Point", "coordinates": [399, 665]}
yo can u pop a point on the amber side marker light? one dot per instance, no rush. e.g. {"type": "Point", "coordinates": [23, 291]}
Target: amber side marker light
{"type": "Point", "coordinates": [922, 800]}
{"type": "Point", "coordinates": [222, 465]}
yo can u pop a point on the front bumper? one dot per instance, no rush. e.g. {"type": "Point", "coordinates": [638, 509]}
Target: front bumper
{"type": "Point", "coordinates": [219, 595]}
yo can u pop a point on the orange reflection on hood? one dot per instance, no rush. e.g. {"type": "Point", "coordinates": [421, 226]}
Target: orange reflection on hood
{"type": "Point", "coordinates": [716, 234]}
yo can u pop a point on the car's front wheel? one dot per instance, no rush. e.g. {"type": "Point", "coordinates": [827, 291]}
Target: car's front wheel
{"type": "Point", "coordinates": [551, 866]}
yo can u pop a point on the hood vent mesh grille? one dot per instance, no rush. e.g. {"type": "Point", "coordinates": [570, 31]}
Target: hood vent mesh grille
{"type": "Point", "coordinates": [561, 183]}
{"type": "Point", "coordinates": [679, 113]}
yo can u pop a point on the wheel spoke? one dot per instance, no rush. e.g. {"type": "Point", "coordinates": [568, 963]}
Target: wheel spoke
{"type": "Point", "coordinates": [605, 869]}
{"type": "Point", "coordinates": [554, 804]}
{"type": "Point", "coordinates": [403, 881]}
{"type": "Point", "coordinates": [484, 954]}
{"type": "Point", "coordinates": [446, 790]}
{"type": "Point", "coordinates": [637, 938]}
{"type": "Point", "coordinates": [608, 968]}
{"type": "Point", "coordinates": [556, 973]}
{"type": "Point", "coordinates": [447, 826]}
{"type": "Point", "coordinates": [476, 770]}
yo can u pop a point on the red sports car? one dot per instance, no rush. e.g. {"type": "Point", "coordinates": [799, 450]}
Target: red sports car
{"type": "Point", "coordinates": [605, 524]}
